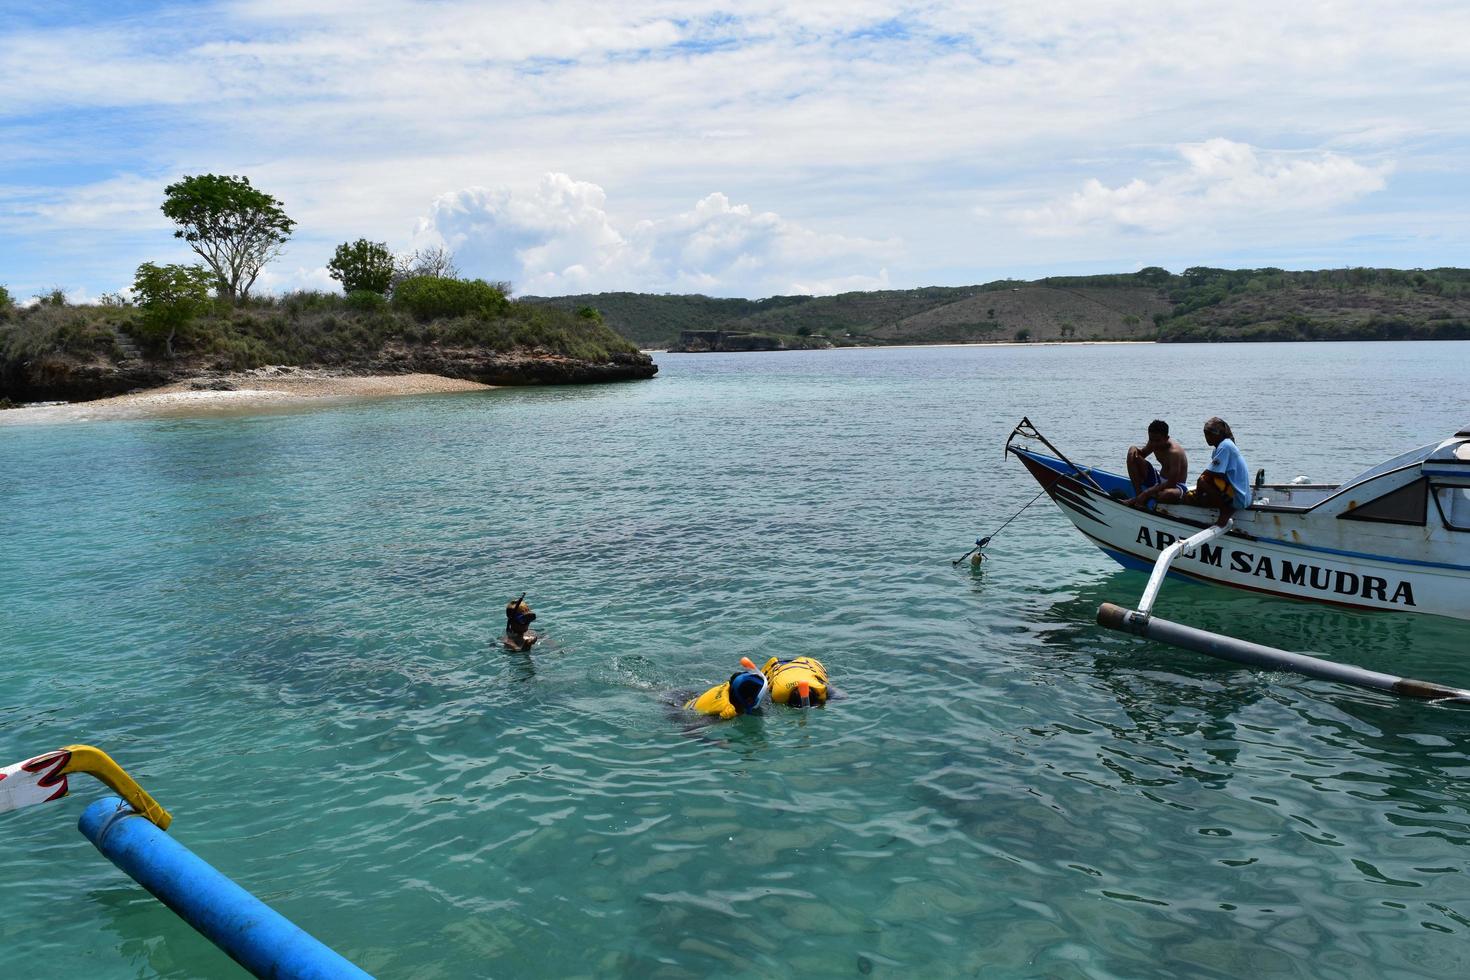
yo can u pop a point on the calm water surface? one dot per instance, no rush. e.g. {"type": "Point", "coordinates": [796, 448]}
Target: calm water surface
{"type": "Point", "coordinates": [284, 626]}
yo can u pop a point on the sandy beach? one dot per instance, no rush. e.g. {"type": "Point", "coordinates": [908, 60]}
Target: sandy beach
{"type": "Point", "coordinates": [268, 388]}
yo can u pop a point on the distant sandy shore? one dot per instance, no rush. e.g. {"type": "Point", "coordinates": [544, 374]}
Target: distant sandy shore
{"type": "Point", "coordinates": [246, 392]}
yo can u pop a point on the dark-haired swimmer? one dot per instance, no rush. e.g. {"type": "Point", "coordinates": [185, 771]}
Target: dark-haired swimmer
{"type": "Point", "coordinates": [518, 620]}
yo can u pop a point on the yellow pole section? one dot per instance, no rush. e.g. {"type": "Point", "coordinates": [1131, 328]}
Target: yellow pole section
{"type": "Point", "coordinates": [98, 764]}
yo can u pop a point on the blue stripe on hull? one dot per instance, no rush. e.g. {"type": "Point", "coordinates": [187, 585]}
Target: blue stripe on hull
{"type": "Point", "coordinates": [1126, 560]}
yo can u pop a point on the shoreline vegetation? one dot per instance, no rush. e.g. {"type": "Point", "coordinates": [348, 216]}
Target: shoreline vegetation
{"type": "Point", "coordinates": [56, 351]}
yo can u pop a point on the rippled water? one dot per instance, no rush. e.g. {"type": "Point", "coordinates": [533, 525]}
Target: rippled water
{"type": "Point", "coordinates": [284, 626]}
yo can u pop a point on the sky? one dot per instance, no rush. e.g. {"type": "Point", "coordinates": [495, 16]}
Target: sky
{"type": "Point", "coordinates": [742, 149]}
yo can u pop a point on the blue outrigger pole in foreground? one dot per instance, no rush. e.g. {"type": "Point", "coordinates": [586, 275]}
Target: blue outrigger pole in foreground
{"type": "Point", "coordinates": [255, 935]}
{"type": "Point", "coordinates": [131, 832]}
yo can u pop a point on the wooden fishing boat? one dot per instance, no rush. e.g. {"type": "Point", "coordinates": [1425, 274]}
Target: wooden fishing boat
{"type": "Point", "coordinates": [1396, 537]}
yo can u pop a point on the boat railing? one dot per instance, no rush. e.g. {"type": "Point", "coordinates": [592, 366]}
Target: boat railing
{"type": "Point", "coordinates": [1166, 559]}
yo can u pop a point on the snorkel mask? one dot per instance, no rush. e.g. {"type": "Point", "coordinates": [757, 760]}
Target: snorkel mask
{"type": "Point", "coordinates": [747, 690]}
{"type": "Point", "coordinates": [518, 616]}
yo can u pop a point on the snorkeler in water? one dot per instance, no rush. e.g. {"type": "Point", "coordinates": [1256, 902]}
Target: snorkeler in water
{"type": "Point", "coordinates": [518, 620]}
{"type": "Point", "coordinates": [742, 694]}
{"type": "Point", "coordinates": [800, 682]}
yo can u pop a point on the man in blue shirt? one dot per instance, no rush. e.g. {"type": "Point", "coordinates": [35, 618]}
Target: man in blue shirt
{"type": "Point", "coordinates": [1226, 482]}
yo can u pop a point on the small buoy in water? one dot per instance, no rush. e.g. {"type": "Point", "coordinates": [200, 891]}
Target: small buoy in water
{"type": "Point", "coordinates": [976, 559]}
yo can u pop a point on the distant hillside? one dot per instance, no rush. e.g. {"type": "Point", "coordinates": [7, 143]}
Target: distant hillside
{"type": "Point", "coordinates": [1200, 304]}
{"type": "Point", "coordinates": [1336, 304]}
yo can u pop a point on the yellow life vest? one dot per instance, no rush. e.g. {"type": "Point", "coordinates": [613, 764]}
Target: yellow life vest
{"type": "Point", "coordinates": [785, 676]}
{"type": "Point", "coordinates": [716, 701]}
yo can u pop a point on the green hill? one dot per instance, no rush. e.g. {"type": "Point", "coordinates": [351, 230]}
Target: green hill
{"type": "Point", "coordinates": [1200, 304]}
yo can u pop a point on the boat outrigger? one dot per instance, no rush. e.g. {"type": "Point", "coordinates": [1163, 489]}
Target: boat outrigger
{"type": "Point", "coordinates": [1394, 538]}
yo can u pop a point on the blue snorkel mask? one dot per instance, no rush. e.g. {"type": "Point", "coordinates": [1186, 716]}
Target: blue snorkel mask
{"type": "Point", "coordinates": [748, 690]}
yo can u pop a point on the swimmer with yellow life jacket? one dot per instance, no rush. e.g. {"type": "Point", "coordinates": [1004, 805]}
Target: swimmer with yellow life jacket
{"type": "Point", "coordinates": [797, 683]}
{"type": "Point", "coordinates": [742, 694]}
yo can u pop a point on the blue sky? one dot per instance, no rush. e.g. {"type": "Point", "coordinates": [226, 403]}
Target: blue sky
{"type": "Point", "coordinates": [742, 150]}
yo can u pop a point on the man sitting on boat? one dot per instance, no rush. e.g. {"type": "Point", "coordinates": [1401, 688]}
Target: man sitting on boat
{"type": "Point", "coordinates": [1226, 482]}
{"type": "Point", "coordinates": [1149, 483]}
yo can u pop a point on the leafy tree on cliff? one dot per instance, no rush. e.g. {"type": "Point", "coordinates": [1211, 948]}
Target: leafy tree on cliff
{"type": "Point", "coordinates": [235, 228]}
{"type": "Point", "coordinates": [170, 296]}
{"type": "Point", "coordinates": [362, 265]}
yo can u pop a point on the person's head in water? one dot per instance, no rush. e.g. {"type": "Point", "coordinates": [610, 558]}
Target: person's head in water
{"type": "Point", "coordinates": [1216, 431]}
{"type": "Point", "coordinates": [1158, 434]}
{"type": "Point", "coordinates": [518, 617]}
{"type": "Point", "coordinates": [746, 691]}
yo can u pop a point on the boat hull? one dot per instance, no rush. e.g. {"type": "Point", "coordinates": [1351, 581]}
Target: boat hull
{"type": "Point", "coordinates": [1241, 560]}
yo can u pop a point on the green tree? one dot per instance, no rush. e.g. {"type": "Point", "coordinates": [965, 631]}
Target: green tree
{"type": "Point", "coordinates": [362, 266]}
{"type": "Point", "coordinates": [431, 297]}
{"type": "Point", "coordinates": [170, 296]}
{"type": "Point", "coordinates": [234, 228]}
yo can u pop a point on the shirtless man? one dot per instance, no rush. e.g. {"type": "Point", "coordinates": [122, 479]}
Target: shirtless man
{"type": "Point", "coordinates": [1149, 483]}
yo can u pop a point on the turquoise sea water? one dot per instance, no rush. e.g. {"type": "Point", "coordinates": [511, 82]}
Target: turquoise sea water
{"type": "Point", "coordinates": [285, 626]}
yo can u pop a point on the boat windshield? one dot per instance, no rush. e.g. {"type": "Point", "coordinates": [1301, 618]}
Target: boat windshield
{"type": "Point", "coordinates": [1404, 459]}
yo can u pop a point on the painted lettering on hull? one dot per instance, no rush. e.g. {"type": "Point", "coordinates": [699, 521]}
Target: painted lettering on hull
{"type": "Point", "coordinates": [1305, 575]}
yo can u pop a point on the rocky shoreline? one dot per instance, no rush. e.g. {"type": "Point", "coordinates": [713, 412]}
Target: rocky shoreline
{"type": "Point", "coordinates": [70, 379]}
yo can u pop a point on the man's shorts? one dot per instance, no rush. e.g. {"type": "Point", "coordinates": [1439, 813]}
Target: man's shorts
{"type": "Point", "coordinates": [1151, 479]}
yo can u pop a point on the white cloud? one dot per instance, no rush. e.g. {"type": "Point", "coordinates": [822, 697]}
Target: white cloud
{"type": "Point", "coordinates": [559, 238]}
{"type": "Point", "coordinates": [126, 201]}
{"type": "Point", "coordinates": [276, 279]}
{"type": "Point", "coordinates": [1221, 182]}
{"type": "Point", "coordinates": [880, 119]}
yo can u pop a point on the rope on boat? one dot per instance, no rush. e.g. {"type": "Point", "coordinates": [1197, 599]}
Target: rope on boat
{"type": "Point", "coordinates": [982, 542]}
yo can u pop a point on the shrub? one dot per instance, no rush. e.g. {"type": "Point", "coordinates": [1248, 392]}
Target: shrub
{"type": "Point", "coordinates": [171, 296]}
{"type": "Point", "coordinates": [1023, 335]}
{"type": "Point", "coordinates": [365, 301]}
{"type": "Point", "coordinates": [432, 297]}
{"type": "Point", "coordinates": [301, 301]}
{"type": "Point", "coordinates": [362, 266]}
{"type": "Point", "coordinates": [55, 296]}
{"type": "Point", "coordinates": [7, 303]}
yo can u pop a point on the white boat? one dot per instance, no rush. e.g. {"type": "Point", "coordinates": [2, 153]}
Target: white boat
{"type": "Point", "coordinates": [1395, 538]}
